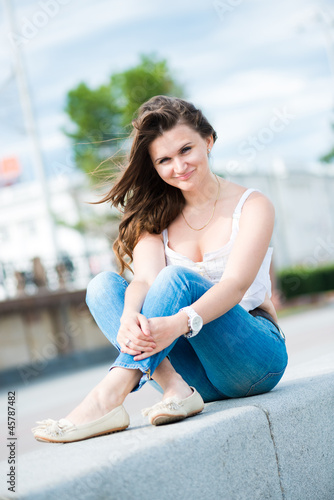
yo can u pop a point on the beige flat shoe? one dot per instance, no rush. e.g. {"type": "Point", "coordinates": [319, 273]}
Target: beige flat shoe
{"type": "Point", "coordinates": [172, 409]}
{"type": "Point", "coordinates": [63, 431]}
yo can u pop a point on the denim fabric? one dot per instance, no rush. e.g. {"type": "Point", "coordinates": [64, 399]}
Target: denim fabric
{"type": "Point", "coordinates": [235, 355]}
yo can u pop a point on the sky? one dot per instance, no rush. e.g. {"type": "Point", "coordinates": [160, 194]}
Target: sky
{"type": "Point", "coordinates": [259, 69]}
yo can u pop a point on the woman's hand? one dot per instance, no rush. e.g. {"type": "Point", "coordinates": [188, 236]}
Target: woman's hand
{"type": "Point", "coordinates": [134, 335]}
{"type": "Point", "coordinates": [164, 331]}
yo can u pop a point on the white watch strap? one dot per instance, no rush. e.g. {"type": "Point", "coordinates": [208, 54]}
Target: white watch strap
{"type": "Point", "coordinates": [191, 315]}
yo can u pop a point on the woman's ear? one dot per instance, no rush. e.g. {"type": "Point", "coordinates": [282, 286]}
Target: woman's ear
{"type": "Point", "coordinates": [209, 142]}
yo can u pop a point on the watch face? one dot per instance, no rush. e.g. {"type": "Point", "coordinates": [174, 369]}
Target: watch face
{"type": "Point", "coordinates": [196, 323]}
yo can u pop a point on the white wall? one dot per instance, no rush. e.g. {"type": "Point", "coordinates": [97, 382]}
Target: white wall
{"type": "Point", "coordinates": [304, 203]}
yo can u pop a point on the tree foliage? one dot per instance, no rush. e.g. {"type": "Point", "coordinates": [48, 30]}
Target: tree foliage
{"type": "Point", "coordinates": [102, 116]}
{"type": "Point", "coordinates": [328, 157]}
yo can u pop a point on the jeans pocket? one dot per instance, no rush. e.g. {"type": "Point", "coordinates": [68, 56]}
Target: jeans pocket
{"type": "Point", "coordinates": [266, 383]}
{"type": "Point", "coordinates": [273, 327]}
{"type": "Point", "coordinates": [280, 334]}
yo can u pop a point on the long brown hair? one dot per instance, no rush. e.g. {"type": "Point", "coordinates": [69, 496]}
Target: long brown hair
{"type": "Point", "coordinates": [148, 203]}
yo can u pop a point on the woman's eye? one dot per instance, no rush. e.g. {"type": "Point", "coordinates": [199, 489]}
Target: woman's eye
{"type": "Point", "coordinates": [164, 160]}
{"type": "Point", "coordinates": [183, 150]}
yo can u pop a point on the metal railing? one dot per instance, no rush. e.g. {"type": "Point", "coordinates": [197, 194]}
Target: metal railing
{"type": "Point", "coordinates": [38, 275]}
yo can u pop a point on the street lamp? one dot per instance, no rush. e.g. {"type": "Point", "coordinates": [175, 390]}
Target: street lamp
{"type": "Point", "coordinates": [30, 124]}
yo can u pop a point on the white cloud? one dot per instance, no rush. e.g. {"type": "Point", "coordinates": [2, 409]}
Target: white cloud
{"type": "Point", "coordinates": [81, 19]}
{"type": "Point", "coordinates": [250, 86]}
{"type": "Point", "coordinates": [54, 141]}
{"type": "Point", "coordinates": [236, 70]}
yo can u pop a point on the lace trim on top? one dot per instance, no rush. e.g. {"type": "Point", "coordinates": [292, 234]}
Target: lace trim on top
{"type": "Point", "coordinates": [214, 263]}
{"type": "Point", "coordinates": [225, 249]}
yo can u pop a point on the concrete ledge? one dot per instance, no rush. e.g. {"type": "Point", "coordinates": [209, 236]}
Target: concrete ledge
{"type": "Point", "coordinates": [278, 445]}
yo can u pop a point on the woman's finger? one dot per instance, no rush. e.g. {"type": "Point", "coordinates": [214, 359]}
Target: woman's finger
{"type": "Point", "coordinates": [144, 324]}
{"type": "Point", "coordinates": [140, 339]}
{"type": "Point", "coordinates": [144, 345]}
{"type": "Point", "coordinates": [143, 355]}
{"type": "Point", "coordinates": [139, 334]}
{"type": "Point", "coordinates": [135, 334]}
{"type": "Point", "coordinates": [138, 350]}
{"type": "Point", "coordinates": [134, 344]}
{"type": "Point", "coordinates": [139, 344]}
{"type": "Point", "coordinates": [135, 347]}
{"type": "Point", "coordinates": [129, 350]}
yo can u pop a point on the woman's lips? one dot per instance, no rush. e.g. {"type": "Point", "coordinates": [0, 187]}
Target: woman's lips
{"type": "Point", "coordinates": [185, 176]}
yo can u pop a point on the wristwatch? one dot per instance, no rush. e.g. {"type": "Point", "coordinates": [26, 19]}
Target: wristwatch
{"type": "Point", "coordinates": [195, 322]}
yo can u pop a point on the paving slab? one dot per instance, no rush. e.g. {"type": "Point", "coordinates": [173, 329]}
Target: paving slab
{"type": "Point", "coordinates": [278, 445]}
{"type": "Point", "coordinates": [301, 417]}
{"type": "Point", "coordinates": [225, 454]}
{"type": "Point", "coordinates": [310, 344]}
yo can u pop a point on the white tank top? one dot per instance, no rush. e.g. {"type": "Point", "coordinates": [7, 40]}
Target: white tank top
{"type": "Point", "coordinates": [214, 263]}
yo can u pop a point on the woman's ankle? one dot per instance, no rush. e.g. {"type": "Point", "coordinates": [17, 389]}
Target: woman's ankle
{"type": "Point", "coordinates": [107, 400]}
{"type": "Point", "coordinates": [106, 396]}
{"type": "Point", "coordinates": [177, 387]}
{"type": "Point", "coordinates": [116, 385]}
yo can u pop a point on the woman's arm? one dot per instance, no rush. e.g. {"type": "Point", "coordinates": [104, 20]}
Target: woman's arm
{"type": "Point", "coordinates": [251, 244]}
{"type": "Point", "coordinates": [148, 260]}
{"type": "Point", "coordinates": [250, 247]}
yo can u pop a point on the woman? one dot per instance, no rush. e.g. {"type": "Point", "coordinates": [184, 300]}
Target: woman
{"type": "Point", "coordinates": [197, 318]}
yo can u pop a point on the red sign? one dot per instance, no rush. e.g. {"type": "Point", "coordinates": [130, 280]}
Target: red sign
{"type": "Point", "coordinates": [10, 169]}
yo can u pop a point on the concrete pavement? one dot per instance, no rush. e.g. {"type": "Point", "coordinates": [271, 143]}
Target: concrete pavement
{"type": "Point", "coordinates": [309, 337]}
{"type": "Point", "coordinates": [310, 341]}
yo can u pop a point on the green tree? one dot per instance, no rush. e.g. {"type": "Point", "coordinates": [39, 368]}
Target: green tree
{"type": "Point", "coordinates": [102, 116]}
{"type": "Point", "coordinates": [101, 122]}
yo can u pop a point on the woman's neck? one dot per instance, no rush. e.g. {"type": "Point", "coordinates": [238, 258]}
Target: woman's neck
{"type": "Point", "coordinates": [203, 195]}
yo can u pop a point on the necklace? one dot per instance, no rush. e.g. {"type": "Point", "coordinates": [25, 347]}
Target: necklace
{"type": "Point", "coordinates": [213, 211]}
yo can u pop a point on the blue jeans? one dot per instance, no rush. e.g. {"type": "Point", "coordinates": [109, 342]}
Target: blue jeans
{"type": "Point", "coordinates": [235, 355]}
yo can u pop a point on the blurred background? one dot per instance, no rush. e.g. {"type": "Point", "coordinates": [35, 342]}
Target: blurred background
{"type": "Point", "coordinates": [72, 75]}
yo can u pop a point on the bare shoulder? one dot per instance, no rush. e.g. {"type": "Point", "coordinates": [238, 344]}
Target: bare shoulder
{"type": "Point", "coordinates": [257, 211]}
{"type": "Point", "coordinates": [234, 192]}
{"type": "Point", "coordinates": [259, 201]}
{"type": "Point", "coordinates": [149, 248]}
{"type": "Point", "coordinates": [147, 240]}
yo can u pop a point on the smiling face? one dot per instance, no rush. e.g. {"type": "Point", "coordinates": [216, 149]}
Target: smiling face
{"type": "Point", "coordinates": [180, 156]}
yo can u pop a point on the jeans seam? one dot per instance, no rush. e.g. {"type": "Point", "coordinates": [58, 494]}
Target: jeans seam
{"type": "Point", "coordinates": [269, 374]}
{"type": "Point", "coordinates": [277, 332]}
{"type": "Point", "coordinates": [132, 366]}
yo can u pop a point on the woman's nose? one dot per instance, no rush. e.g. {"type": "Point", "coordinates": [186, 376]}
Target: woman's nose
{"type": "Point", "coordinates": [179, 165]}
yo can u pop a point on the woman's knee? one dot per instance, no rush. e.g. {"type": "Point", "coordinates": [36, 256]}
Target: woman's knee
{"type": "Point", "coordinates": [101, 285]}
{"type": "Point", "coordinates": [173, 273]}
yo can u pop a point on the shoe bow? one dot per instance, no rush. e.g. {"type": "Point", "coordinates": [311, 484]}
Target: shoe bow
{"type": "Point", "coordinates": [53, 427]}
{"type": "Point", "coordinates": [163, 405]}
